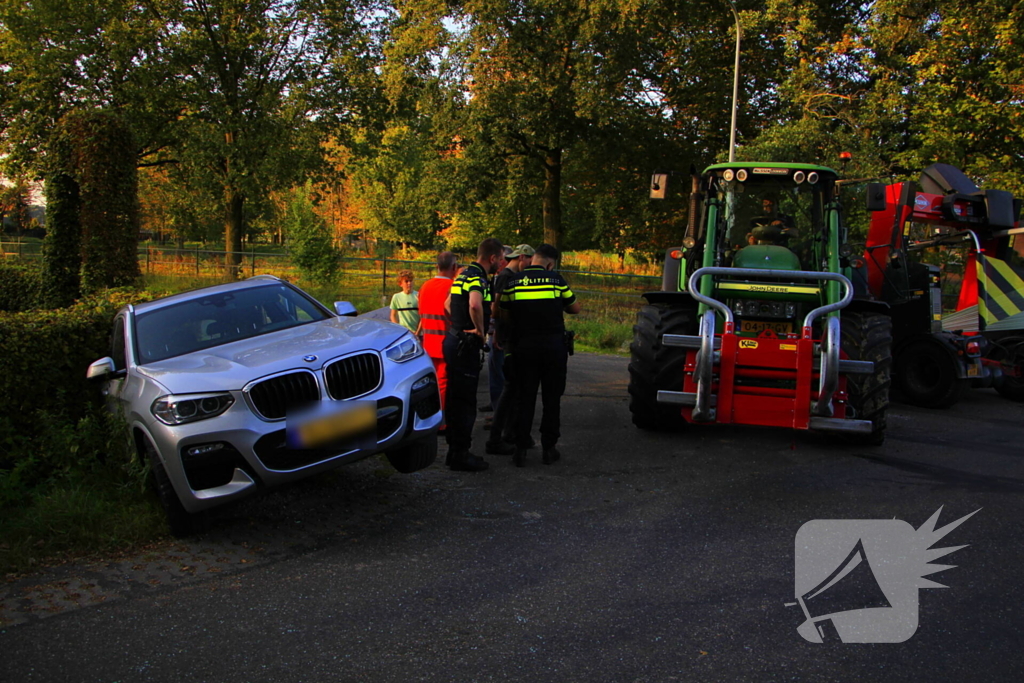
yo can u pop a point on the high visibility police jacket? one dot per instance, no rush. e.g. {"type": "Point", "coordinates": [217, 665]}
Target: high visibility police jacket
{"type": "Point", "coordinates": [473, 278]}
{"type": "Point", "coordinates": [535, 300]}
{"type": "Point", "coordinates": [433, 319]}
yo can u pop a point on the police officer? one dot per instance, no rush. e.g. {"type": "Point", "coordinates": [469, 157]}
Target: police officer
{"type": "Point", "coordinates": [535, 300]}
{"type": "Point", "coordinates": [469, 306]}
{"type": "Point", "coordinates": [502, 440]}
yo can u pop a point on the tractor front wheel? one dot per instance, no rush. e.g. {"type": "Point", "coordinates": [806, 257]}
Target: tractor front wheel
{"type": "Point", "coordinates": [868, 336]}
{"type": "Point", "coordinates": [654, 366]}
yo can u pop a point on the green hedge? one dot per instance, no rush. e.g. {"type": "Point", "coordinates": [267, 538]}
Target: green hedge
{"type": "Point", "coordinates": [20, 287]}
{"type": "Point", "coordinates": [43, 358]}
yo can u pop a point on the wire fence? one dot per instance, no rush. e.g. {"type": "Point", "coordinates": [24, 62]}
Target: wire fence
{"type": "Point", "coordinates": [609, 300]}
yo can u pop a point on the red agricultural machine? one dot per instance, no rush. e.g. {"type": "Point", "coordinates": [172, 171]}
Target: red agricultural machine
{"type": "Point", "coordinates": [947, 259]}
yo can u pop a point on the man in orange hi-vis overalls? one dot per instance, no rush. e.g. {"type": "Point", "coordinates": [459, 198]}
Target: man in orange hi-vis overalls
{"type": "Point", "coordinates": [433, 319]}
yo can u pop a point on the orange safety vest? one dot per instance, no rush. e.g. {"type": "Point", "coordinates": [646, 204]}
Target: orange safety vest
{"type": "Point", "coordinates": [434, 321]}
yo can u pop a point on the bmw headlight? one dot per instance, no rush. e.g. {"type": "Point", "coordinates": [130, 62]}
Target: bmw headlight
{"type": "Point", "coordinates": [176, 410]}
{"type": "Point", "coordinates": [406, 348]}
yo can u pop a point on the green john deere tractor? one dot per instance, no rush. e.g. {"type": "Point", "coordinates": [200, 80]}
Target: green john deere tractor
{"type": "Point", "coordinates": [764, 317]}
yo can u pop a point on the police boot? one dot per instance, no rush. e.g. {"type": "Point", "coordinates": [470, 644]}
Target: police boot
{"type": "Point", "coordinates": [500, 448]}
{"type": "Point", "coordinates": [551, 455]}
{"type": "Point", "coordinates": [519, 458]}
{"type": "Point", "coordinates": [464, 461]}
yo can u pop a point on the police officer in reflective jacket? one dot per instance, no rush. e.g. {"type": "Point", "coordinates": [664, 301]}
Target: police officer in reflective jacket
{"type": "Point", "coordinates": [469, 305]}
{"type": "Point", "coordinates": [535, 300]}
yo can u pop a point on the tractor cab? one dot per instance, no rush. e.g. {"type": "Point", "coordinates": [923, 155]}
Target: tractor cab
{"type": "Point", "coordinates": [768, 217]}
{"type": "Point", "coordinates": [747, 328]}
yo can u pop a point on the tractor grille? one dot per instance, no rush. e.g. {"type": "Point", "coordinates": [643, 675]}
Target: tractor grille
{"type": "Point", "coordinates": [353, 376]}
{"type": "Point", "coordinates": [273, 398]}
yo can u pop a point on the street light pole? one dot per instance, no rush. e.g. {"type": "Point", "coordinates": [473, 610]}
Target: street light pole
{"type": "Point", "coordinates": [735, 83]}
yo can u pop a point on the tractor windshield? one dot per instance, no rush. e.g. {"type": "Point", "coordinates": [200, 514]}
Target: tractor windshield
{"type": "Point", "coordinates": [771, 211]}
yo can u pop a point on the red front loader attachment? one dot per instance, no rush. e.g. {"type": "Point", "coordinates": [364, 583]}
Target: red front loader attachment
{"type": "Point", "coordinates": [794, 380]}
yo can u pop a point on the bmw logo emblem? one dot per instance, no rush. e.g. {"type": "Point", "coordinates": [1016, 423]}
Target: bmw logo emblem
{"type": "Point", "coordinates": [309, 359]}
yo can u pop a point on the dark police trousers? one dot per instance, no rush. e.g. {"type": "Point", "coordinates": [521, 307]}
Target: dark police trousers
{"type": "Point", "coordinates": [503, 425]}
{"type": "Point", "coordinates": [541, 361]}
{"type": "Point", "coordinates": [460, 403]}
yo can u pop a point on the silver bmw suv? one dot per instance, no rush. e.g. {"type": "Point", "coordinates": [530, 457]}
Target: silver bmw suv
{"type": "Point", "coordinates": [230, 388]}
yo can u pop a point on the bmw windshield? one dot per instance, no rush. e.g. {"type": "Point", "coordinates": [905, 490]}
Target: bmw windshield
{"type": "Point", "coordinates": [218, 318]}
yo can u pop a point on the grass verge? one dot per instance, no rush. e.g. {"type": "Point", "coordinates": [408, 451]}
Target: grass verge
{"type": "Point", "coordinates": [80, 490]}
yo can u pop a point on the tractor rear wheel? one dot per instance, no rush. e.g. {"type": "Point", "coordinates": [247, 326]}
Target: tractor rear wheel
{"type": "Point", "coordinates": [654, 366]}
{"type": "Point", "coordinates": [927, 376]}
{"type": "Point", "coordinates": [868, 336]}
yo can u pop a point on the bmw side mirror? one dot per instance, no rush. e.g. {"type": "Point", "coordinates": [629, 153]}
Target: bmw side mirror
{"type": "Point", "coordinates": [345, 309]}
{"type": "Point", "coordinates": [103, 369]}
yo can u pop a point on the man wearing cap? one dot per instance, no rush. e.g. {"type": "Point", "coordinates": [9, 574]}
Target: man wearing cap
{"type": "Point", "coordinates": [502, 363]}
{"type": "Point", "coordinates": [536, 299]}
{"type": "Point", "coordinates": [433, 319]}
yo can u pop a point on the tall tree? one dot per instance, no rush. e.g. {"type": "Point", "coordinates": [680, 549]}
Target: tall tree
{"type": "Point", "coordinates": [57, 56]}
{"type": "Point", "coordinates": [545, 76]}
{"type": "Point", "coordinates": [264, 81]}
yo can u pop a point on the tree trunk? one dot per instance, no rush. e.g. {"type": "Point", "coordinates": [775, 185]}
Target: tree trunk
{"type": "Point", "coordinates": [233, 233]}
{"type": "Point", "coordinates": [552, 200]}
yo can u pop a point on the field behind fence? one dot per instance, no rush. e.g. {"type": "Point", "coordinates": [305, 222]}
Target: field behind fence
{"type": "Point", "coordinates": [609, 300]}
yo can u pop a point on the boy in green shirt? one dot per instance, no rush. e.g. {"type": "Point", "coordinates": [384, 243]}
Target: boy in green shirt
{"type": "Point", "coordinates": [405, 305]}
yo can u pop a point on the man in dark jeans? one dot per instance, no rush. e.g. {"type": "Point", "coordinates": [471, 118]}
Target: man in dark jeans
{"type": "Point", "coordinates": [503, 425]}
{"type": "Point", "coordinates": [469, 305]}
{"type": "Point", "coordinates": [535, 300]}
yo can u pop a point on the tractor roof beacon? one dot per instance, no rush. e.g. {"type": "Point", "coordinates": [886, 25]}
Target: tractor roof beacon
{"type": "Point", "coordinates": [763, 318]}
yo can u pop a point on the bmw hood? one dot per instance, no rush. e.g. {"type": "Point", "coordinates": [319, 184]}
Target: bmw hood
{"type": "Point", "coordinates": [231, 366]}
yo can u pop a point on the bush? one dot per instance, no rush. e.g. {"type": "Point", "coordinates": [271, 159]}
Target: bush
{"type": "Point", "coordinates": [43, 358]}
{"type": "Point", "coordinates": [20, 287]}
{"type": "Point", "coordinates": [70, 481]}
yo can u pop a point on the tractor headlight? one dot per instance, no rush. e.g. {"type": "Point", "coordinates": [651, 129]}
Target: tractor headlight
{"type": "Point", "coordinates": [741, 175]}
{"type": "Point", "coordinates": [728, 175]}
{"type": "Point", "coordinates": [176, 410]}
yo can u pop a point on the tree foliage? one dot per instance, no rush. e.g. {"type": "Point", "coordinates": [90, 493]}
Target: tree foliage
{"type": "Point", "coordinates": [310, 241]}
{"type": "Point", "coordinates": [529, 120]}
{"type": "Point", "coordinates": [103, 158]}
{"type": "Point", "coordinates": [62, 248]}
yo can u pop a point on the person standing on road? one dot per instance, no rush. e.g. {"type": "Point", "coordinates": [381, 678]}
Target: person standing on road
{"type": "Point", "coordinates": [536, 299]}
{"type": "Point", "coordinates": [434, 321]}
{"type": "Point", "coordinates": [502, 439]}
{"type": "Point", "coordinates": [469, 305]}
{"type": "Point", "coordinates": [495, 357]}
{"type": "Point", "coordinates": [405, 305]}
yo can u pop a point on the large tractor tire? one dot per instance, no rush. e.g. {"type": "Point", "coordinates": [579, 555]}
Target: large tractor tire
{"type": "Point", "coordinates": [1010, 351]}
{"type": "Point", "coordinates": [927, 376]}
{"type": "Point", "coordinates": [653, 366]}
{"type": "Point", "coordinates": [868, 336]}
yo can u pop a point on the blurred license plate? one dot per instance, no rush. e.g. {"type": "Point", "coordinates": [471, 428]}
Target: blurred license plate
{"type": "Point", "coordinates": [332, 423]}
{"type": "Point", "coordinates": [762, 325]}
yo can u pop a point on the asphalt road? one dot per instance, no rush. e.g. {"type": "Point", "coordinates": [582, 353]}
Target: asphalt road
{"type": "Point", "coordinates": [638, 557]}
